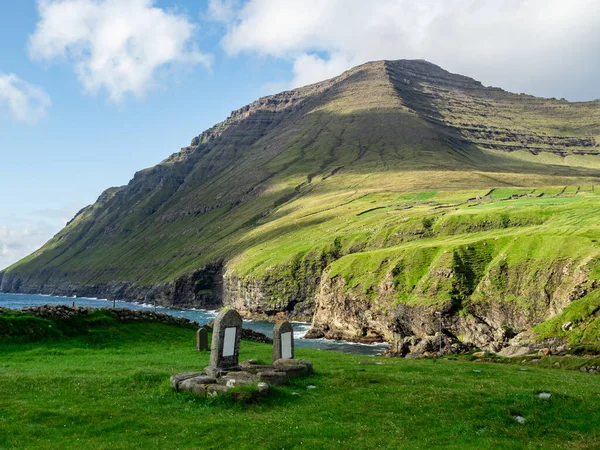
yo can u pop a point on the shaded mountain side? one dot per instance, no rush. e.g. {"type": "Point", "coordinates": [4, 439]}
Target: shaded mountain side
{"type": "Point", "coordinates": [256, 209]}
{"type": "Point", "coordinates": [493, 118]}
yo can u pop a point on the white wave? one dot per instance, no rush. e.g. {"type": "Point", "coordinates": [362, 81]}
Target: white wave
{"type": "Point", "coordinates": [145, 305]}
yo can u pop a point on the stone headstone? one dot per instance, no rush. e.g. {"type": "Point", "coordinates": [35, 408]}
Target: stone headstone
{"type": "Point", "coordinates": [283, 341]}
{"type": "Point", "coordinates": [202, 340]}
{"type": "Point", "coordinates": [225, 349]}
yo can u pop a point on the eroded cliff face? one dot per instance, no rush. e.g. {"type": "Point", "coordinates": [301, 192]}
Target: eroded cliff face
{"type": "Point", "coordinates": [486, 318]}
{"type": "Point", "coordinates": [268, 298]}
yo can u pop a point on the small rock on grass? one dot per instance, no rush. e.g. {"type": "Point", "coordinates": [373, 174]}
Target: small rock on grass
{"type": "Point", "coordinates": [520, 419]}
{"type": "Point", "coordinates": [545, 395]}
{"type": "Point", "coordinates": [523, 368]}
{"type": "Point", "coordinates": [263, 388]}
{"type": "Point", "coordinates": [310, 386]}
{"type": "Point", "coordinates": [477, 371]}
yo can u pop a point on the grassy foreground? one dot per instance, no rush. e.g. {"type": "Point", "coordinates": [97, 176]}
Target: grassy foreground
{"type": "Point", "coordinates": [110, 389]}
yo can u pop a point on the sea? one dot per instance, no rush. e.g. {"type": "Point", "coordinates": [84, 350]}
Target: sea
{"type": "Point", "coordinates": [202, 316]}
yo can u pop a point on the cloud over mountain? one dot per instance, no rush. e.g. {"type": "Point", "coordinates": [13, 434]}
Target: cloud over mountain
{"type": "Point", "coordinates": [544, 47]}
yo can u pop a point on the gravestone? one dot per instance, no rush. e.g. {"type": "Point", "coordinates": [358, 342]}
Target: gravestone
{"type": "Point", "coordinates": [283, 341]}
{"type": "Point", "coordinates": [225, 349]}
{"type": "Point", "coordinates": [202, 340]}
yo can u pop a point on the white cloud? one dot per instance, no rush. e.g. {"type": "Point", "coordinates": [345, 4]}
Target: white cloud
{"type": "Point", "coordinates": [22, 235]}
{"type": "Point", "coordinates": [115, 45]}
{"type": "Point", "coordinates": [546, 47]}
{"type": "Point", "coordinates": [309, 68]}
{"type": "Point", "coordinates": [25, 102]}
{"type": "Point", "coordinates": [223, 10]}
{"type": "Point", "coordinates": [21, 238]}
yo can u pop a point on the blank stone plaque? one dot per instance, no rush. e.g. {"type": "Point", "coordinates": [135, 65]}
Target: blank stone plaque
{"type": "Point", "coordinates": [283, 341]}
{"type": "Point", "coordinates": [229, 344]}
{"type": "Point", "coordinates": [286, 345]}
{"type": "Point", "coordinates": [224, 352]}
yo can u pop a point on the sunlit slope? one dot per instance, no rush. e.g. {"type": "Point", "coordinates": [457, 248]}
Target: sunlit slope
{"type": "Point", "coordinates": [345, 166]}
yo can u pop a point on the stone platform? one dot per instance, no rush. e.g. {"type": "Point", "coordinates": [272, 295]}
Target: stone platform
{"type": "Point", "coordinates": [225, 371]}
{"type": "Point", "coordinates": [247, 373]}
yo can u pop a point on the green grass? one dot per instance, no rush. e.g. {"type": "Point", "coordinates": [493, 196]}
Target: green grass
{"type": "Point", "coordinates": [80, 393]}
{"type": "Point", "coordinates": [518, 247]}
{"type": "Point", "coordinates": [20, 327]}
{"type": "Point", "coordinates": [585, 317]}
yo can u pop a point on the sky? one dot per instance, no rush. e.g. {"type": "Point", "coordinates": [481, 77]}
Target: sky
{"type": "Point", "coordinates": [92, 91]}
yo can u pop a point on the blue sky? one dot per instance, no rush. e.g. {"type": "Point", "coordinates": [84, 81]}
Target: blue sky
{"type": "Point", "coordinates": [93, 90]}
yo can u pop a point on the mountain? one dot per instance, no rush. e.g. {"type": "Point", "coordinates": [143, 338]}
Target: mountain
{"type": "Point", "coordinates": [366, 203]}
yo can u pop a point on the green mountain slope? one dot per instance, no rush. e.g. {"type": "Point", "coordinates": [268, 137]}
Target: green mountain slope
{"type": "Point", "coordinates": [366, 200]}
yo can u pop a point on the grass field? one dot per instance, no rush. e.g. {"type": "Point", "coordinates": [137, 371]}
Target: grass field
{"type": "Point", "coordinates": [110, 389]}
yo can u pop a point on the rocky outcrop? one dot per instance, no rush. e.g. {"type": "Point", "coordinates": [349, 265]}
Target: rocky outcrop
{"type": "Point", "coordinates": [268, 298]}
{"type": "Point", "coordinates": [476, 316]}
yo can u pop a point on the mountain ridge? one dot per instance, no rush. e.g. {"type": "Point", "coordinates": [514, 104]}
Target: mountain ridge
{"type": "Point", "coordinates": [257, 209]}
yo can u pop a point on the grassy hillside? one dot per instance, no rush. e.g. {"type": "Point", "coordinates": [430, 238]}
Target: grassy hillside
{"type": "Point", "coordinates": [371, 176]}
{"type": "Point", "coordinates": [525, 234]}
{"type": "Point", "coordinates": [114, 392]}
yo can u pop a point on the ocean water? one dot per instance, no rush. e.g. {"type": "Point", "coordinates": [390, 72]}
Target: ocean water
{"type": "Point", "coordinates": [18, 301]}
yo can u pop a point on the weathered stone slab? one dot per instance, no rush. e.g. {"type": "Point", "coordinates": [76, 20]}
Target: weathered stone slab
{"type": "Point", "coordinates": [283, 341]}
{"type": "Point", "coordinates": [248, 363]}
{"type": "Point", "coordinates": [294, 367]}
{"type": "Point", "coordinates": [197, 385]}
{"type": "Point", "coordinates": [237, 379]}
{"type": "Point", "coordinates": [272, 377]}
{"type": "Point", "coordinates": [225, 349]}
{"type": "Point", "coordinates": [258, 368]}
{"type": "Point", "coordinates": [293, 370]}
{"type": "Point", "coordinates": [216, 389]}
{"type": "Point", "coordinates": [511, 352]}
{"type": "Point", "coordinates": [178, 378]}
{"type": "Point", "coordinates": [202, 340]}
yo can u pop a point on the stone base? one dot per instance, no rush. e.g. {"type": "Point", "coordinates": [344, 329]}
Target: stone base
{"type": "Point", "coordinates": [294, 367]}
{"type": "Point", "coordinates": [177, 379]}
{"type": "Point", "coordinates": [218, 372]}
{"type": "Point", "coordinates": [215, 381]}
